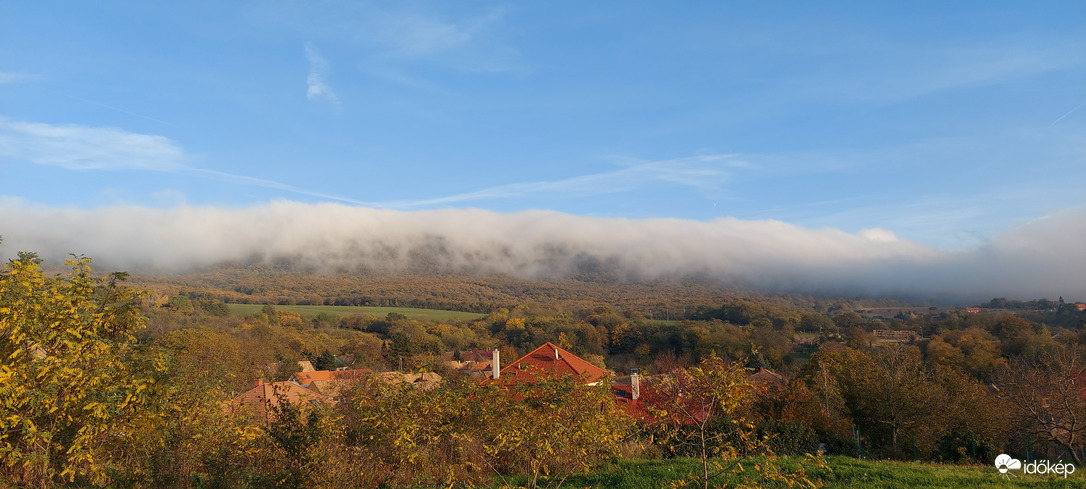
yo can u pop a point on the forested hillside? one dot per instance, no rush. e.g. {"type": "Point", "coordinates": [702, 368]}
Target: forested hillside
{"type": "Point", "coordinates": [864, 378]}
{"type": "Point", "coordinates": [656, 299]}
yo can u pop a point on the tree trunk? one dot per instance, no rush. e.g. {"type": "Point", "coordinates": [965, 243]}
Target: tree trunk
{"type": "Point", "coordinates": [704, 461]}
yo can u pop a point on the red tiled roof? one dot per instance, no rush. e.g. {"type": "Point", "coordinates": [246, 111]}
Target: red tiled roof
{"type": "Point", "coordinates": [476, 355]}
{"type": "Point", "coordinates": [646, 409]}
{"type": "Point", "coordinates": [549, 359]}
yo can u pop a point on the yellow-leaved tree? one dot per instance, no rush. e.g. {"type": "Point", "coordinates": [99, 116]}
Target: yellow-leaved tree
{"type": "Point", "coordinates": [65, 384]}
{"type": "Point", "coordinates": [704, 410]}
{"type": "Point", "coordinates": [550, 428]}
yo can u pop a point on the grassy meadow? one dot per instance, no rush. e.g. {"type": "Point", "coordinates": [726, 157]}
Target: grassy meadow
{"type": "Point", "coordinates": [842, 472]}
{"type": "Point", "coordinates": [410, 312]}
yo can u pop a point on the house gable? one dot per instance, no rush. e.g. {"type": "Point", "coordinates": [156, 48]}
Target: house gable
{"type": "Point", "coordinates": [264, 397]}
{"type": "Point", "coordinates": [548, 360]}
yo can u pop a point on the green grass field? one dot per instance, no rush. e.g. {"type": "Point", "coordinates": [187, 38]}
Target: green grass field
{"type": "Point", "coordinates": [422, 314]}
{"type": "Point", "coordinates": [844, 472]}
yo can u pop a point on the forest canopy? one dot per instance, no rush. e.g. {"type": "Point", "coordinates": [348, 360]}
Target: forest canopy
{"type": "Point", "coordinates": [105, 385]}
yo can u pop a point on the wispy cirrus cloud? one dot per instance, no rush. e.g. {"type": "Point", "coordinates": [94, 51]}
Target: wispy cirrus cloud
{"type": "Point", "coordinates": [9, 77]}
{"type": "Point", "coordinates": [955, 69]}
{"type": "Point", "coordinates": [272, 184]}
{"type": "Point", "coordinates": [705, 173]}
{"type": "Point", "coordinates": [882, 71]}
{"type": "Point", "coordinates": [316, 82]}
{"type": "Point", "coordinates": [79, 147]}
{"type": "Point", "coordinates": [17, 77]}
{"type": "Point", "coordinates": [390, 39]}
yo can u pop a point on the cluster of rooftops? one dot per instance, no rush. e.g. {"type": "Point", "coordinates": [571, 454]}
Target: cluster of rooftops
{"type": "Point", "coordinates": [324, 387]}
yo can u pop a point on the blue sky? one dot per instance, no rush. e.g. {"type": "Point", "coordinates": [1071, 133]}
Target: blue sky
{"type": "Point", "coordinates": [946, 123]}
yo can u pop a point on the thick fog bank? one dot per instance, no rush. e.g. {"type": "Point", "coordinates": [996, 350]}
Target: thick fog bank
{"type": "Point", "coordinates": [1041, 259]}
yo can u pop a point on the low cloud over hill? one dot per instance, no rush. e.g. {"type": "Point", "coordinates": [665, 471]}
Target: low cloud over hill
{"type": "Point", "coordinates": [1040, 259]}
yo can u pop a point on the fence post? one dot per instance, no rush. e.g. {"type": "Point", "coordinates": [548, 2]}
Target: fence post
{"type": "Point", "coordinates": [1029, 448]}
{"type": "Point", "coordinates": [914, 448]}
{"type": "Point", "coordinates": [973, 447]}
{"type": "Point", "coordinates": [859, 444]}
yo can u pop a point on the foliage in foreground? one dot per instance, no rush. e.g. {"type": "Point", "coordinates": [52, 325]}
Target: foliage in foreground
{"type": "Point", "coordinates": [81, 403]}
{"type": "Point", "coordinates": [67, 386]}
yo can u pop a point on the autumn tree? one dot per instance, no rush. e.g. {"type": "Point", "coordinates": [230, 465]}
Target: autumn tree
{"type": "Point", "coordinates": [692, 403]}
{"type": "Point", "coordinates": [543, 431]}
{"type": "Point", "coordinates": [1046, 394]}
{"type": "Point", "coordinates": [894, 392]}
{"type": "Point", "coordinates": [66, 385]}
{"type": "Point", "coordinates": [407, 436]}
{"type": "Point", "coordinates": [551, 427]}
{"type": "Point", "coordinates": [966, 418]}
{"type": "Point", "coordinates": [1020, 336]}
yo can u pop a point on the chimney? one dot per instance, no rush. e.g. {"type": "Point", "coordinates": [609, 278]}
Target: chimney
{"type": "Point", "coordinates": [495, 364]}
{"type": "Point", "coordinates": [635, 384]}
{"type": "Point", "coordinates": [259, 382]}
{"type": "Point", "coordinates": [556, 354]}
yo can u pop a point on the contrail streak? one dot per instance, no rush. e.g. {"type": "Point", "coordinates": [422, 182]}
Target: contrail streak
{"type": "Point", "coordinates": [1067, 114]}
{"type": "Point", "coordinates": [110, 107]}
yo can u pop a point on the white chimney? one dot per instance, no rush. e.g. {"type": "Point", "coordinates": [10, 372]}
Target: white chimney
{"type": "Point", "coordinates": [495, 364]}
{"type": "Point", "coordinates": [635, 384]}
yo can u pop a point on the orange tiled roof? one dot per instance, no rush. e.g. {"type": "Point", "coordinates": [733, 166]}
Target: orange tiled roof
{"type": "Point", "coordinates": [331, 383]}
{"type": "Point", "coordinates": [479, 366]}
{"type": "Point", "coordinates": [549, 359]}
{"type": "Point", "coordinates": [422, 381]}
{"type": "Point", "coordinates": [764, 376]}
{"type": "Point", "coordinates": [305, 378]}
{"type": "Point", "coordinates": [264, 396]}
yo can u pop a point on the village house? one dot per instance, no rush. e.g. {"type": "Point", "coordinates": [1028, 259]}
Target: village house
{"type": "Point", "coordinates": [553, 360]}
{"type": "Point", "coordinates": [264, 399]}
{"type": "Point", "coordinates": [765, 376]}
{"type": "Point", "coordinates": [549, 359]}
{"type": "Point", "coordinates": [471, 362]}
{"type": "Point", "coordinates": [318, 387]}
{"type": "Point", "coordinates": [422, 381]}
{"type": "Point", "coordinates": [330, 383]}
{"type": "Point", "coordinates": [334, 383]}
{"type": "Point", "coordinates": [896, 335]}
